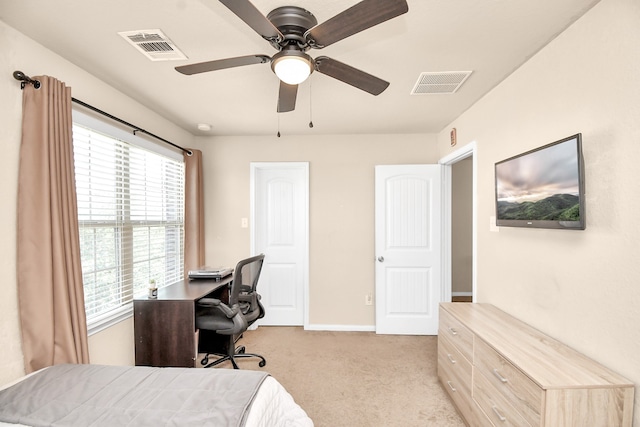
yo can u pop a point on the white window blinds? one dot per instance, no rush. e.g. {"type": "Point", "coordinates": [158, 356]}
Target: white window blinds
{"type": "Point", "coordinates": [131, 220]}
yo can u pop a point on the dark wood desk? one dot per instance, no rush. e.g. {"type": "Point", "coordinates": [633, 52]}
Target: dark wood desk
{"type": "Point", "coordinates": [165, 328]}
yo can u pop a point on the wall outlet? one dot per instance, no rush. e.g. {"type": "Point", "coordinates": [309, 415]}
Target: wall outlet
{"type": "Point", "coordinates": [368, 299]}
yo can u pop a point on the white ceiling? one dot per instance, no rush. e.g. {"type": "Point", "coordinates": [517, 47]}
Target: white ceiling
{"type": "Point", "coordinates": [489, 37]}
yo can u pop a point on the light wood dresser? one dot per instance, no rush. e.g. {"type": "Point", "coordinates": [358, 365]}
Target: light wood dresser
{"type": "Point", "coordinates": [500, 371]}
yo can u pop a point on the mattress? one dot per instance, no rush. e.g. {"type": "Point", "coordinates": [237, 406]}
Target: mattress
{"type": "Point", "coordinates": [264, 400]}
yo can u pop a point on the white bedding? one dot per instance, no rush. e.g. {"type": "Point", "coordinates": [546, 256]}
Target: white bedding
{"type": "Point", "coordinates": [272, 406]}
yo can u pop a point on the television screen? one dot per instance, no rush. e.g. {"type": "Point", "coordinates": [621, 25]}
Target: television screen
{"type": "Point", "coordinates": [542, 188]}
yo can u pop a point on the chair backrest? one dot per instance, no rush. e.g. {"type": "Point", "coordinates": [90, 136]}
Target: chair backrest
{"type": "Point", "coordinates": [245, 276]}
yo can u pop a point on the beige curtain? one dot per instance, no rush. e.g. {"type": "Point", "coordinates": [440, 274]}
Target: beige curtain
{"type": "Point", "coordinates": [193, 212]}
{"type": "Point", "coordinates": [51, 298]}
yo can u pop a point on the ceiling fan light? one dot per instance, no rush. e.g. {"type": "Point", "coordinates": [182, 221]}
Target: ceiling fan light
{"type": "Point", "coordinates": [292, 70]}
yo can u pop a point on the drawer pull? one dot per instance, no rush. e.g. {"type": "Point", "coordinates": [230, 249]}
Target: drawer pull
{"type": "Point", "coordinates": [453, 331]}
{"type": "Point", "coordinates": [500, 377]}
{"type": "Point", "coordinates": [451, 359]}
{"type": "Point", "coordinates": [497, 412]}
{"type": "Point", "coordinates": [453, 389]}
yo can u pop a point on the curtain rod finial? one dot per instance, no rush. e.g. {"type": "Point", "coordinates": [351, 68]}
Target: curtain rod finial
{"type": "Point", "coordinates": [19, 75]}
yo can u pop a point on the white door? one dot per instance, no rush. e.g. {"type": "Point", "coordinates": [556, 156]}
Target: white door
{"type": "Point", "coordinates": [279, 195]}
{"type": "Point", "coordinates": [408, 248]}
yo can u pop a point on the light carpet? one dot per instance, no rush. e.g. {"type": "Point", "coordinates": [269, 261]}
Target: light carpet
{"type": "Point", "coordinates": [355, 378]}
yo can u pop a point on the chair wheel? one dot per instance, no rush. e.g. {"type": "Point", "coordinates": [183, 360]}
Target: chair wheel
{"type": "Point", "coordinates": [262, 363]}
{"type": "Point", "coordinates": [204, 361]}
{"type": "Point", "coordinates": [241, 350]}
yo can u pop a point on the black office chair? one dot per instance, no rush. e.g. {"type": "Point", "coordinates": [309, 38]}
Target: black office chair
{"type": "Point", "coordinates": [233, 318]}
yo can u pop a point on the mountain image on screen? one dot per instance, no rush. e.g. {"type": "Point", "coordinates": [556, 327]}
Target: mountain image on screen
{"type": "Point", "coordinates": [559, 207]}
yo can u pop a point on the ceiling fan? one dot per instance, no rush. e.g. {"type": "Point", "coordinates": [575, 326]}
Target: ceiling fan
{"type": "Point", "coordinates": [292, 31]}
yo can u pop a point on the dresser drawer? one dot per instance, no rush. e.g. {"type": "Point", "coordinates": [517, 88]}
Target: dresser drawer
{"type": "Point", "coordinates": [518, 390]}
{"type": "Point", "coordinates": [495, 405]}
{"type": "Point", "coordinates": [458, 368]}
{"type": "Point", "coordinates": [460, 336]}
{"type": "Point", "coordinates": [454, 372]}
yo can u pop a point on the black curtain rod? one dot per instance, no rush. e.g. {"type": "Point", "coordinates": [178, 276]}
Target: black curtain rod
{"type": "Point", "coordinates": [19, 75]}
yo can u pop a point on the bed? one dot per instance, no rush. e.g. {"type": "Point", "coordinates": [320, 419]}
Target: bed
{"type": "Point", "coordinates": [99, 395]}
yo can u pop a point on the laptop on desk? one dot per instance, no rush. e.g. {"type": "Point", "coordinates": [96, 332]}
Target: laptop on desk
{"type": "Point", "coordinates": [216, 273]}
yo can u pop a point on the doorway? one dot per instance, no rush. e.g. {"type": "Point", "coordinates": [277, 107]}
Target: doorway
{"type": "Point", "coordinates": [459, 246]}
{"type": "Point", "coordinates": [461, 230]}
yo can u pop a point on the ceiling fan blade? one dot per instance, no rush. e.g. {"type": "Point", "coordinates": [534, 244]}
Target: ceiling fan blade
{"type": "Point", "coordinates": [246, 11]}
{"type": "Point", "coordinates": [351, 76]}
{"type": "Point", "coordinates": [221, 64]}
{"type": "Point", "coordinates": [287, 97]}
{"type": "Point", "coordinates": [357, 18]}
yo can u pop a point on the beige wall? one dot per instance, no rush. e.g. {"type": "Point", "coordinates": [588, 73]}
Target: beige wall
{"type": "Point", "coordinates": [581, 287]}
{"type": "Point", "coordinates": [341, 180]}
{"type": "Point", "coordinates": [18, 52]}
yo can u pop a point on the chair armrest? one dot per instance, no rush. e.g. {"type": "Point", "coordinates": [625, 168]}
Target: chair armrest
{"type": "Point", "coordinates": [247, 298]}
{"type": "Point", "coordinates": [248, 302]}
{"type": "Point", "coordinates": [216, 303]}
{"type": "Point", "coordinates": [252, 297]}
{"type": "Point", "coordinates": [209, 302]}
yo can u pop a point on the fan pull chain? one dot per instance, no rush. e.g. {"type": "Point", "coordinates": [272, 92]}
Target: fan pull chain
{"type": "Point", "coordinates": [310, 109]}
{"type": "Point", "coordinates": [278, 125]}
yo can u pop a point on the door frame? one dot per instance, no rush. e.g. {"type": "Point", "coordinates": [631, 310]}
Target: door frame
{"type": "Point", "coordinates": [447, 162]}
{"type": "Point", "coordinates": [252, 220]}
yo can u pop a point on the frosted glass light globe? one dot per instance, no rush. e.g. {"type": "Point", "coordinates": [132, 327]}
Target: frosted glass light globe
{"type": "Point", "coordinates": [292, 70]}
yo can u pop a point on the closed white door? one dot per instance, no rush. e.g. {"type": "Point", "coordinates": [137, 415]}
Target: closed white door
{"type": "Point", "coordinates": [408, 248]}
{"type": "Point", "coordinates": [279, 194]}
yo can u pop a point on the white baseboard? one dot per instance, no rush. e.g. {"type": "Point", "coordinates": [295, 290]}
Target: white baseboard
{"type": "Point", "coordinates": [341, 328]}
{"type": "Point", "coordinates": [461, 294]}
{"type": "Point", "coordinates": [338, 328]}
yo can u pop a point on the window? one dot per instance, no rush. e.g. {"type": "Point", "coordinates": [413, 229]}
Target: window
{"type": "Point", "coordinates": [131, 220]}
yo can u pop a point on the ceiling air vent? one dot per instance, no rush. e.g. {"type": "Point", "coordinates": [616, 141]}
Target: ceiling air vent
{"type": "Point", "coordinates": [440, 83]}
{"type": "Point", "coordinates": [153, 44]}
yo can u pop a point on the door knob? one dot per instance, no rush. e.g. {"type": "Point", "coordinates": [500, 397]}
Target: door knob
{"type": "Point", "coordinates": [381, 258]}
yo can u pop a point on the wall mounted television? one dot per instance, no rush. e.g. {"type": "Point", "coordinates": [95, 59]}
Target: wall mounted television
{"type": "Point", "coordinates": [543, 188]}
